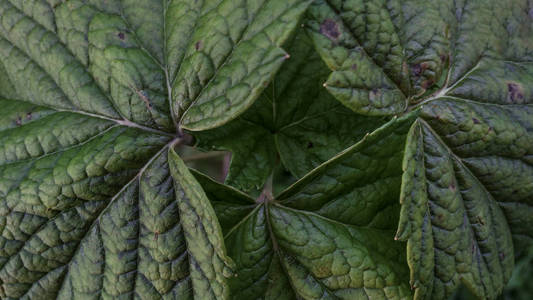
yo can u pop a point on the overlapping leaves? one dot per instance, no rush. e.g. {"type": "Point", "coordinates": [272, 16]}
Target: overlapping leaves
{"type": "Point", "coordinates": [467, 67]}
{"type": "Point", "coordinates": [94, 203]}
{"type": "Point", "coordinates": [295, 121]}
{"type": "Point", "coordinates": [330, 235]}
{"type": "Point", "coordinates": [95, 95]}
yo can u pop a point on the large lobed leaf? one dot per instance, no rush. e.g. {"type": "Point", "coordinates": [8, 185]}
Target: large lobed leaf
{"type": "Point", "coordinates": [94, 203]}
{"type": "Point", "coordinates": [294, 120]}
{"type": "Point", "coordinates": [467, 67]}
{"type": "Point", "coordinates": [330, 235]}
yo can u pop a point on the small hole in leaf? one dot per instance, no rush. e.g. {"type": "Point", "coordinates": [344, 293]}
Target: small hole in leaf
{"type": "Point", "coordinates": [310, 145]}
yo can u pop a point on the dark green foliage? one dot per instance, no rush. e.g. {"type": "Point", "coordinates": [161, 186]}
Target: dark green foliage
{"type": "Point", "coordinates": [368, 149]}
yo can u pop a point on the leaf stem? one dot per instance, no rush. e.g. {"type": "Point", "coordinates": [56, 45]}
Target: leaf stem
{"type": "Point", "coordinates": [267, 195]}
{"type": "Point", "coordinates": [123, 122]}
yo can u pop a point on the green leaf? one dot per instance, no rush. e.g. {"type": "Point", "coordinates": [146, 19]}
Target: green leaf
{"type": "Point", "coordinates": [95, 211]}
{"type": "Point", "coordinates": [295, 119]}
{"type": "Point", "coordinates": [519, 287]}
{"type": "Point", "coordinates": [224, 70]}
{"type": "Point", "coordinates": [387, 55]}
{"type": "Point", "coordinates": [330, 235]}
{"type": "Point", "coordinates": [456, 230]}
{"type": "Point", "coordinates": [94, 93]}
{"type": "Point", "coordinates": [466, 66]}
{"type": "Point", "coordinates": [359, 43]}
{"type": "Point", "coordinates": [208, 264]}
{"type": "Point", "coordinates": [230, 205]}
{"type": "Point", "coordinates": [58, 187]}
{"type": "Point", "coordinates": [138, 61]}
{"type": "Point", "coordinates": [6, 87]}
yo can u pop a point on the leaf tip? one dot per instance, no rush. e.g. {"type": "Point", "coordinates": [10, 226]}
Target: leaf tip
{"type": "Point", "coordinates": [403, 232]}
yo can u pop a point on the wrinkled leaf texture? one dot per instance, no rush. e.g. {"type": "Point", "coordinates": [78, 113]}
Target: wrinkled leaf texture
{"type": "Point", "coordinates": [329, 235]}
{"type": "Point", "coordinates": [466, 67]}
{"type": "Point", "coordinates": [94, 203]}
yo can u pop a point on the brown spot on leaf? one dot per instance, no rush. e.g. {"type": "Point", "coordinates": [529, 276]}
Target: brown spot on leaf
{"type": "Point", "coordinates": [322, 270]}
{"type": "Point", "coordinates": [476, 121]}
{"type": "Point", "coordinates": [452, 187]}
{"type": "Point", "coordinates": [417, 70]}
{"type": "Point", "coordinates": [121, 35]}
{"type": "Point", "coordinates": [330, 29]}
{"type": "Point", "coordinates": [144, 97]}
{"type": "Point", "coordinates": [354, 67]}
{"type": "Point", "coordinates": [198, 45]}
{"type": "Point", "coordinates": [427, 83]}
{"type": "Point", "coordinates": [515, 93]}
{"type": "Point", "coordinates": [502, 255]}
{"type": "Point", "coordinates": [374, 94]}
{"type": "Point", "coordinates": [310, 145]}
{"type": "Point", "coordinates": [28, 116]}
{"type": "Point", "coordinates": [18, 121]}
